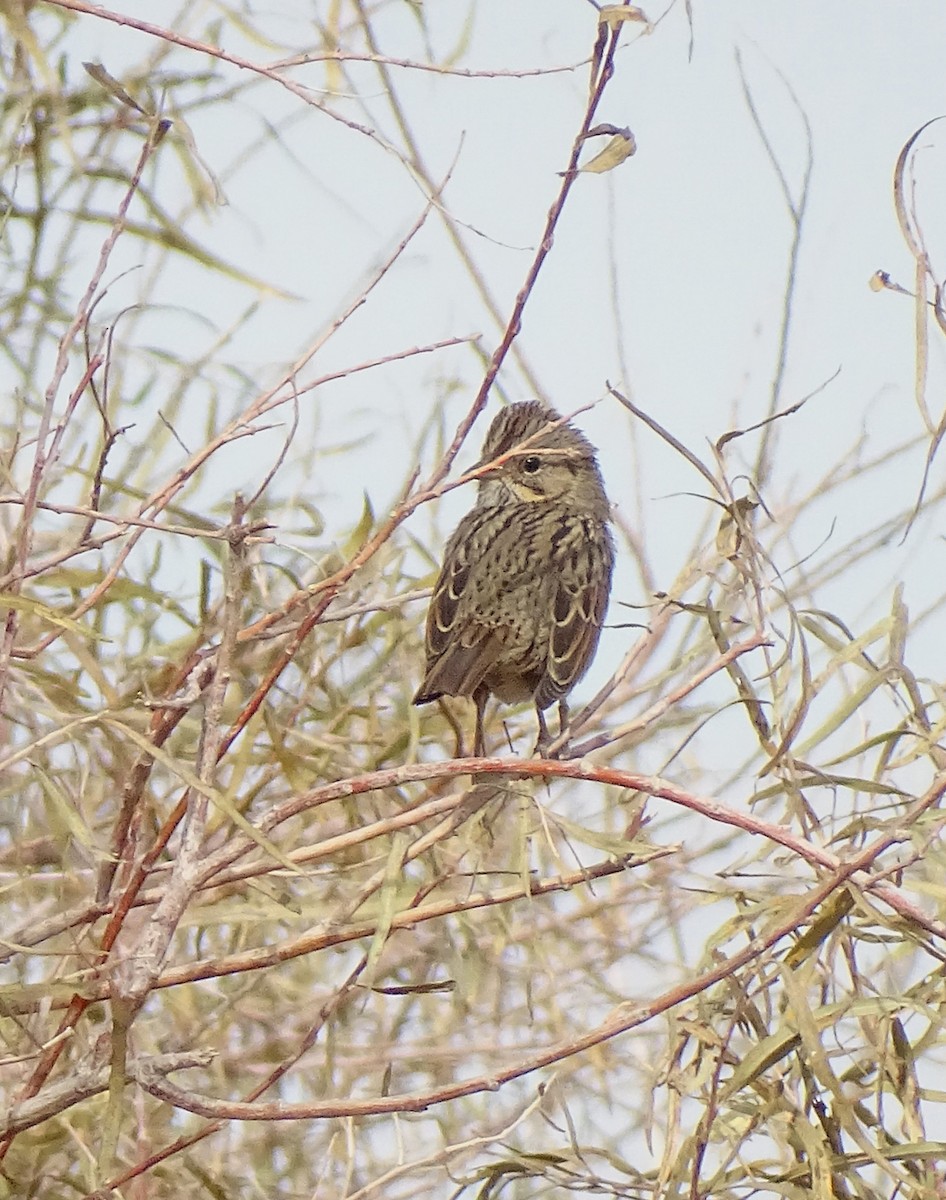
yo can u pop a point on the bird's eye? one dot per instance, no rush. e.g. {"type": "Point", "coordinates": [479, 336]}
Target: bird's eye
{"type": "Point", "coordinates": [531, 464]}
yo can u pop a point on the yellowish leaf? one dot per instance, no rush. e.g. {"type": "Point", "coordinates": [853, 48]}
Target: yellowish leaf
{"type": "Point", "coordinates": [61, 812]}
{"type": "Point", "coordinates": [112, 86]}
{"type": "Point", "coordinates": [619, 148]}
{"type": "Point", "coordinates": [614, 15]}
{"type": "Point", "coordinates": [45, 613]}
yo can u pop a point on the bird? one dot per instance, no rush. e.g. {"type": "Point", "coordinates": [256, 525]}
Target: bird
{"type": "Point", "coordinates": [518, 606]}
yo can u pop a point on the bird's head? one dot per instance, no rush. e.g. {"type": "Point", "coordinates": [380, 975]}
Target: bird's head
{"type": "Point", "coordinates": [540, 459]}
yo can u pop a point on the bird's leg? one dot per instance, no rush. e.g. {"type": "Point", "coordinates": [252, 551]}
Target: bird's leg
{"type": "Point", "coordinates": [451, 718]}
{"type": "Point", "coordinates": [544, 737]}
{"type": "Point", "coordinates": [562, 716]}
{"type": "Point", "coordinates": [480, 696]}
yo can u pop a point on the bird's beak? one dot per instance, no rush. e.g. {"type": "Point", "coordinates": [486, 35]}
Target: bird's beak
{"type": "Point", "coordinates": [484, 466]}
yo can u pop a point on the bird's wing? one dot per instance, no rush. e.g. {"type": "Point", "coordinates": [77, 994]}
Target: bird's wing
{"type": "Point", "coordinates": [578, 611]}
{"type": "Point", "coordinates": [458, 655]}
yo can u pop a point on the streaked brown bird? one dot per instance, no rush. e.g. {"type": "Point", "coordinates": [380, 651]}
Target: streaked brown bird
{"type": "Point", "coordinates": [522, 594]}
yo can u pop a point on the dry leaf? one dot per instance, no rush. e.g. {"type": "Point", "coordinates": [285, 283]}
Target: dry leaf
{"type": "Point", "coordinates": [614, 15]}
{"type": "Point", "coordinates": [620, 147]}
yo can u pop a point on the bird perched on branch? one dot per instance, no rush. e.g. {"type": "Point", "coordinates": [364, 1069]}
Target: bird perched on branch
{"type": "Point", "coordinates": [522, 594]}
